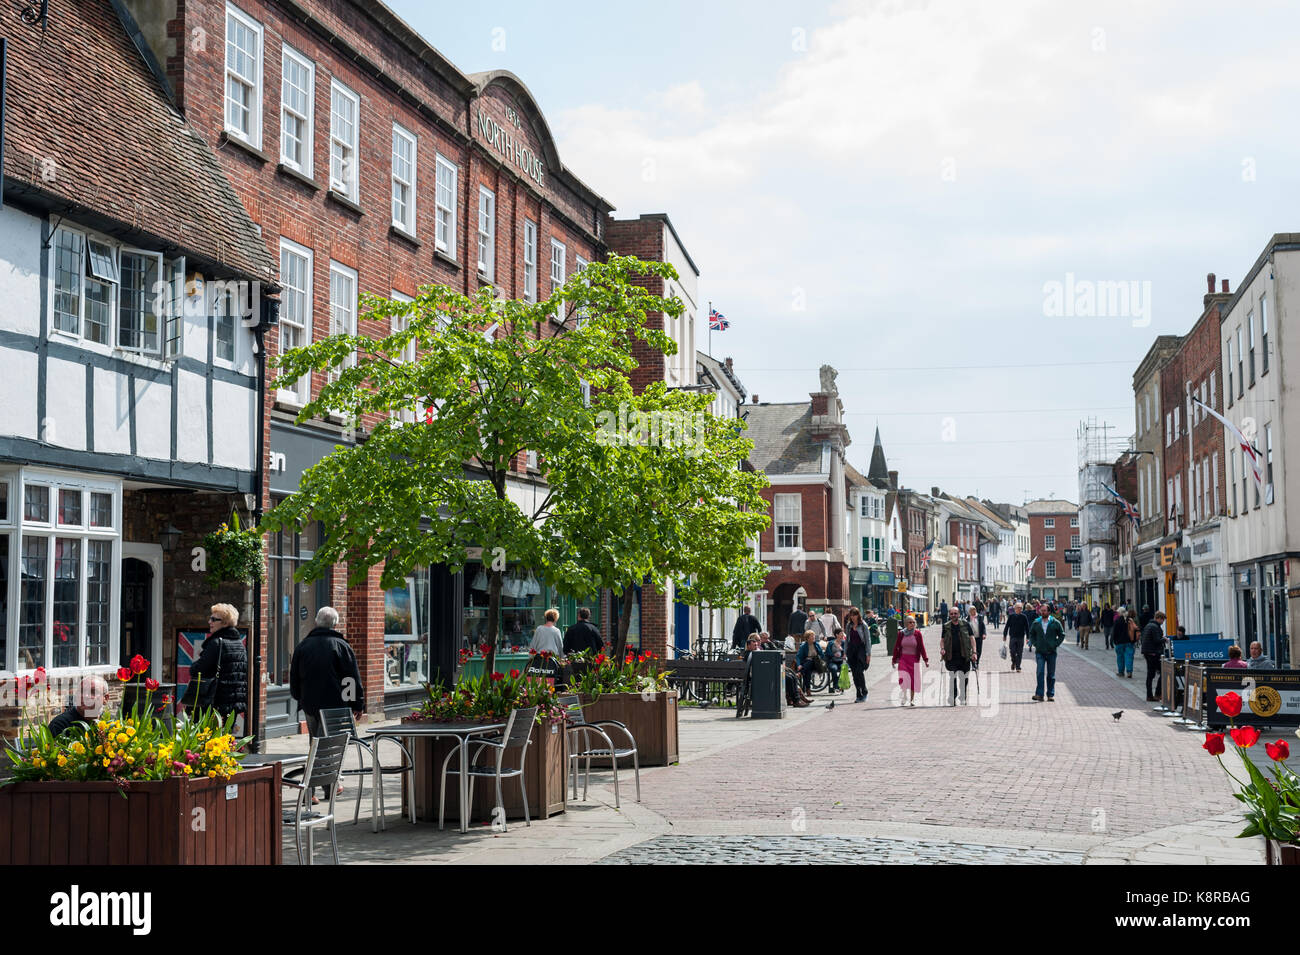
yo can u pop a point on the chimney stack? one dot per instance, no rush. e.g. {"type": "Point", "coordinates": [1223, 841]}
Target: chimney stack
{"type": "Point", "coordinates": [1225, 286]}
{"type": "Point", "coordinates": [893, 480]}
{"type": "Point", "coordinates": [728, 363]}
{"type": "Point", "coordinates": [1209, 280]}
{"type": "Point", "coordinates": [934, 492]}
{"type": "Point", "coordinates": [753, 399]}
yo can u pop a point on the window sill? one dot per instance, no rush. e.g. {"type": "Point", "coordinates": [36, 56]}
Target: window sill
{"type": "Point", "coordinates": [297, 176]}
{"type": "Point", "coordinates": [345, 202]}
{"type": "Point", "coordinates": [484, 279]}
{"type": "Point", "coordinates": [227, 138]}
{"type": "Point", "coordinates": [400, 233]}
{"type": "Point", "coordinates": [441, 256]}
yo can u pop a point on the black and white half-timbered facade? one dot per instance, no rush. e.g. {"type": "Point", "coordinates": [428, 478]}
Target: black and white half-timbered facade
{"type": "Point", "coordinates": [130, 281]}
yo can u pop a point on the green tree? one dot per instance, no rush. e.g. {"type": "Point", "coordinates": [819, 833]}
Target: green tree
{"type": "Point", "coordinates": [663, 498]}
{"type": "Point", "coordinates": [489, 379]}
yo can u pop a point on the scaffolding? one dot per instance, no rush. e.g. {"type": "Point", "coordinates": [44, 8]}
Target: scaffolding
{"type": "Point", "coordinates": [1099, 510]}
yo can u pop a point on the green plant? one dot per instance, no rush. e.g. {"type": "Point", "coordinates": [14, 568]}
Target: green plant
{"type": "Point", "coordinates": [234, 554]}
{"type": "Point", "coordinates": [490, 696]}
{"type": "Point", "coordinates": [1272, 806]}
{"type": "Point", "coordinates": [603, 674]}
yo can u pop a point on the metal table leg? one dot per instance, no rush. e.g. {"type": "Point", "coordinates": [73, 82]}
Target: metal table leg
{"type": "Point", "coordinates": [375, 783]}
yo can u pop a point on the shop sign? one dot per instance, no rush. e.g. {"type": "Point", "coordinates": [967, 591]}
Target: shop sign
{"type": "Point", "coordinates": [1202, 547]}
{"type": "Point", "coordinates": [510, 144]}
{"type": "Point", "coordinates": [1073, 556]}
{"type": "Point", "coordinates": [1200, 647]}
{"type": "Point", "coordinates": [1271, 697]}
{"type": "Point", "coordinates": [882, 578]}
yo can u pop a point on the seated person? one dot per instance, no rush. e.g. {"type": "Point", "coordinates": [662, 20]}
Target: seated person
{"type": "Point", "coordinates": [1234, 658]}
{"type": "Point", "coordinates": [86, 707]}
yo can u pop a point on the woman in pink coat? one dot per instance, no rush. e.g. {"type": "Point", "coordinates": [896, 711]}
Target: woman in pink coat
{"type": "Point", "coordinates": [909, 648]}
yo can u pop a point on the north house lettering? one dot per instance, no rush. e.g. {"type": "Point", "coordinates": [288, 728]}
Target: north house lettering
{"type": "Point", "coordinates": [510, 144]}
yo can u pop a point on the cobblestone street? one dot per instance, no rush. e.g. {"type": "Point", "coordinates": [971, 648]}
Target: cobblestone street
{"type": "Point", "coordinates": [1003, 780]}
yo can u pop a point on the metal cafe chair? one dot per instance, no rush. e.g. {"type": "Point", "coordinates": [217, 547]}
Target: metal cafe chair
{"type": "Point", "coordinates": [324, 760]}
{"type": "Point", "coordinates": [340, 720]}
{"type": "Point", "coordinates": [580, 731]}
{"type": "Point", "coordinates": [516, 736]}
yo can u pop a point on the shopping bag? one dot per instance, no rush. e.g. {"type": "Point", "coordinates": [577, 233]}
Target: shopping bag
{"type": "Point", "coordinates": [1002, 651]}
{"type": "Point", "coordinates": [845, 678]}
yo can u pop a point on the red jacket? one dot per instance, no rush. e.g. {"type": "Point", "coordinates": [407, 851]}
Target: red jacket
{"type": "Point", "coordinates": [920, 645]}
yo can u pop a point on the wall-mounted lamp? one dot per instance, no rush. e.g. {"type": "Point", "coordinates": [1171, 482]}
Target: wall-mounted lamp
{"type": "Point", "coordinates": [170, 538]}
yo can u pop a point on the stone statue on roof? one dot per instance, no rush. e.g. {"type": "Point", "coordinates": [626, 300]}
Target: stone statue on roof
{"type": "Point", "coordinates": [829, 375]}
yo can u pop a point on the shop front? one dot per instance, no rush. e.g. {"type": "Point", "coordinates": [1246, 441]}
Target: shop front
{"type": "Point", "coordinates": [883, 592]}
{"type": "Point", "coordinates": [1260, 590]}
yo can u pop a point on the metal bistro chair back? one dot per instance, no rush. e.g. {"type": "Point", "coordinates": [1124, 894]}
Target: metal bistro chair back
{"type": "Point", "coordinates": [324, 761]}
{"type": "Point", "coordinates": [340, 720]}
{"type": "Point", "coordinates": [516, 736]}
{"type": "Point", "coordinates": [580, 748]}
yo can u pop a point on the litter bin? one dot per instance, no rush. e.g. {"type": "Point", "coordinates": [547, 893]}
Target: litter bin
{"type": "Point", "coordinates": [891, 634]}
{"type": "Point", "coordinates": [767, 684]}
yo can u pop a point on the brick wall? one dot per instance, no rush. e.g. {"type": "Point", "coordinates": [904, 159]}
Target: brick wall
{"type": "Point", "coordinates": [1038, 532]}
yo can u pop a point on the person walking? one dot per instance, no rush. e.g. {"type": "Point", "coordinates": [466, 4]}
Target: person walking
{"type": "Point", "coordinates": [1153, 648]}
{"type": "Point", "coordinates": [858, 652]}
{"type": "Point", "coordinates": [1046, 634]}
{"type": "Point", "coordinates": [1122, 634]}
{"type": "Point", "coordinates": [908, 649]}
{"type": "Point", "coordinates": [1016, 628]}
{"type": "Point", "coordinates": [798, 623]}
{"type": "Point", "coordinates": [943, 610]}
{"type": "Point", "coordinates": [828, 624]}
{"type": "Point", "coordinates": [957, 650]}
{"type": "Point", "coordinates": [547, 638]}
{"type": "Point", "coordinates": [323, 673]}
{"type": "Point", "coordinates": [219, 678]}
{"type": "Point", "coordinates": [583, 635]}
{"type": "Point", "coordinates": [979, 632]}
{"type": "Point", "coordinates": [1084, 621]}
{"type": "Point", "coordinates": [1107, 619]}
{"type": "Point", "coordinates": [746, 625]}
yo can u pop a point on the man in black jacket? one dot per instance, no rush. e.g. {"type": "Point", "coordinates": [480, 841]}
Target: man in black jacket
{"type": "Point", "coordinates": [1017, 627]}
{"type": "Point", "coordinates": [86, 707]}
{"type": "Point", "coordinates": [746, 624]}
{"type": "Point", "coordinates": [797, 625]}
{"type": "Point", "coordinates": [583, 635]}
{"type": "Point", "coordinates": [1083, 620]}
{"type": "Point", "coordinates": [323, 674]}
{"type": "Point", "coordinates": [1153, 648]}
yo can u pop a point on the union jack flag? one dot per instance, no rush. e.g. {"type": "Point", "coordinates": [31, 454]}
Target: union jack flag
{"type": "Point", "coordinates": [925, 555]}
{"type": "Point", "coordinates": [189, 644]}
{"type": "Point", "coordinates": [717, 321]}
{"type": "Point", "coordinates": [1130, 511]}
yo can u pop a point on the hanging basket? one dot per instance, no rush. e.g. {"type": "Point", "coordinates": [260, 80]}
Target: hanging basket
{"type": "Point", "coordinates": [234, 555]}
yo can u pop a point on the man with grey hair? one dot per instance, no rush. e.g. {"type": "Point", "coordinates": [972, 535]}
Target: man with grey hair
{"type": "Point", "coordinates": [1257, 659]}
{"type": "Point", "coordinates": [323, 674]}
{"type": "Point", "coordinates": [86, 706]}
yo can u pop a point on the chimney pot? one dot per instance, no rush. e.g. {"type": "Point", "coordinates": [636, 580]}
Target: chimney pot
{"type": "Point", "coordinates": [754, 398]}
{"type": "Point", "coordinates": [728, 364]}
{"type": "Point", "coordinates": [934, 491]}
{"type": "Point", "coordinates": [1225, 286]}
{"type": "Point", "coordinates": [1209, 280]}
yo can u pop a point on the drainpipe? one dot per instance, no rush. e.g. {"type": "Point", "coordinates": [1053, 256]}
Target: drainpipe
{"type": "Point", "coordinates": [269, 317]}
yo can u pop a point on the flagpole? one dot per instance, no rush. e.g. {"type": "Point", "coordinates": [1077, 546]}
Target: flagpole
{"type": "Point", "coordinates": [710, 328]}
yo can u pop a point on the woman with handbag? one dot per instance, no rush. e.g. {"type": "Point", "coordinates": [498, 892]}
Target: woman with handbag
{"type": "Point", "coordinates": [858, 651]}
{"type": "Point", "coordinates": [219, 678]}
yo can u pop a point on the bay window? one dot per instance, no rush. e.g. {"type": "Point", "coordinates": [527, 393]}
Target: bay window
{"type": "Point", "coordinates": [57, 558]}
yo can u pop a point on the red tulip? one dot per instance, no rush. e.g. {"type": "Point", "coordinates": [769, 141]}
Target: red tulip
{"type": "Point", "coordinates": [139, 664]}
{"type": "Point", "coordinates": [123, 674]}
{"type": "Point", "coordinates": [1246, 736]}
{"type": "Point", "coordinates": [151, 684]}
{"type": "Point", "coordinates": [1278, 751]}
{"type": "Point", "coordinates": [514, 674]}
{"type": "Point", "coordinates": [1214, 744]}
{"type": "Point", "coordinates": [1229, 704]}
{"type": "Point", "coordinates": [497, 677]}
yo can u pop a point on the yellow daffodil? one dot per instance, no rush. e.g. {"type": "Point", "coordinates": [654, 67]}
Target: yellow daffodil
{"type": "Point", "coordinates": [121, 737]}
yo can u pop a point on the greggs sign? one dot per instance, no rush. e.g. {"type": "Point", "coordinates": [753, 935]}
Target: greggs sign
{"type": "Point", "coordinates": [510, 144]}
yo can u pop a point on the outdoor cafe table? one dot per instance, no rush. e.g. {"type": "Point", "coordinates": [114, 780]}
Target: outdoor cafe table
{"type": "Point", "coordinates": [266, 759]}
{"type": "Point", "coordinates": [463, 731]}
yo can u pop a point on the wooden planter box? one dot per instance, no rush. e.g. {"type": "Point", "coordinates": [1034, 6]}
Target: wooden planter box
{"type": "Point", "coordinates": [91, 823]}
{"type": "Point", "coordinates": [652, 722]}
{"type": "Point", "coordinates": [1276, 853]}
{"type": "Point", "coordinates": [544, 777]}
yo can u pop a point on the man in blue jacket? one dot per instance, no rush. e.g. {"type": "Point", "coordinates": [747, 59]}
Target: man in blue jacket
{"type": "Point", "coordinates": [1045, 635]}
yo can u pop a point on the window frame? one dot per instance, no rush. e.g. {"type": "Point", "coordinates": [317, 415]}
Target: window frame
{"type": "Point", "coordinates": [349, 190]}
{"type": "Point", "coordinates": [287, 54]}
{"type": "Point", "coordinates": [397, 324]}
{"type": "Point", "coordinates": [563, 264]}
{"type": "Point", "coordinates": [1228, 365]}
{"type": "Point", "coordinates": [1049, 542]}
{"type": "Point", "coordinates": [778, 500]}
{"type": "Point", "coordinates": [487, 233]}
{"type": "Point", "coordinates": [294, 396]}
{"type": "Point", "coordinates": [407, 225]}
{"type": "Point", "coordinates": [15, 528]}
{"type": "Point", "coordinates": [1049, 570]}
{"type": "Point", "coordinates": [350, 274]}
{"type": "Point", "coordinates": [254, 136]}
{"type": "Point", "coordinates": [1263, 333]}
{"type": "Point", "coordinates": [443, 165]}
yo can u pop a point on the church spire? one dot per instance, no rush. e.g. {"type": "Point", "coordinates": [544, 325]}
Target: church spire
{"type": "Point", "coordinates": [878, 473]}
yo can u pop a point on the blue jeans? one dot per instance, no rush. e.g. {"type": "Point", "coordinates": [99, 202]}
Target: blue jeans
{"type": "Point", "coordinates": [1124, 657]}
{"type": "Point", "coordinates": [1046, 661]}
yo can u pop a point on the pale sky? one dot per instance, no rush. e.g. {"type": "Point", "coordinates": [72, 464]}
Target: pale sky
{"type": "Point", "coordinates": [889, 187]}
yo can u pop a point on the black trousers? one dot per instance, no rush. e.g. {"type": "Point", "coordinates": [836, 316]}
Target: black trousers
{"type": "Point", "coordinates": [858, 667]}
{"type": "Point", "coordinates": [1153, 672]}
{"type": "Point", "coordinates": [1017, 651]}
{"type": "Point", "coordinates": [979, 652]}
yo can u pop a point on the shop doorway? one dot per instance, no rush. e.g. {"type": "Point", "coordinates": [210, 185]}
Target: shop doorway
{"type": "Point", "coordinates": [140, 610]}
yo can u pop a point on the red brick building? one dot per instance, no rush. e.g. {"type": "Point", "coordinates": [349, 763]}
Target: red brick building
{"type": "Point", "coordinates": [1053, 524]}
{"type": "Point", "coordinates": [371, 164]}
{"type": "Point", "coordinates": [800, 447]}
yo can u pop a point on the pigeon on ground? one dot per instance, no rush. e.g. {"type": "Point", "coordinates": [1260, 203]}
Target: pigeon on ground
{"type": "Point", "coordinates": [830, 705]}
{"type": "Point", "coordinates": [1117, 715]}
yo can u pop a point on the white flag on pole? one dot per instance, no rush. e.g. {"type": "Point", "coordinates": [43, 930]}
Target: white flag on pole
{"type": "Point", "coordinates": [1249, 450]}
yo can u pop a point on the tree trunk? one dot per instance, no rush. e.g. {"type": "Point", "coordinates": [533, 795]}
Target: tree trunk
{"type": "Point", "coordinates": [494, 618]}
{"type": "Point", "coordinates": [624, 621]}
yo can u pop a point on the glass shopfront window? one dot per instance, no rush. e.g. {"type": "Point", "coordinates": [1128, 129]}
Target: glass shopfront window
{"type": "Point", "coordinates": [293, 605]}
{"type": "Point", "coordinates": [406, 632]}
{"type": "Point", "coordinates": [1272, 606]}
{"type": "Point", "coordinates": [1247, 620]}
{"type": "Point", "coordinates": [524, 600]}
